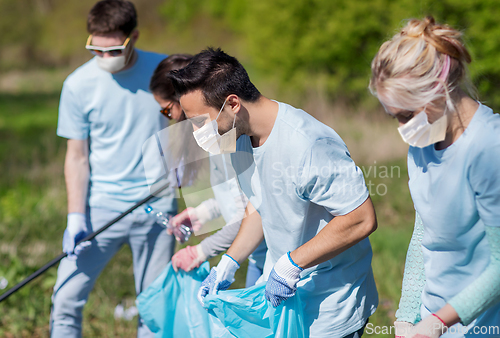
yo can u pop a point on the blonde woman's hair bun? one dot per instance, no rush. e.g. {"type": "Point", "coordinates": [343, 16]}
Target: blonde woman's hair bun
{"type": "Point", "coordinates": [418, 28]}
{"type": "Point", "coordinates": [443, 38]}
{"type": "Point", "coordinates": [407, 70]}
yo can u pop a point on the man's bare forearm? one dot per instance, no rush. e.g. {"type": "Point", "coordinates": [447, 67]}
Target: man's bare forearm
{"type": "Point", "coordinates": [338, 235]}
{"type": "Point", "coordinates": [77, 173]}
{"type": "Point", "coordinates": [249, 236]}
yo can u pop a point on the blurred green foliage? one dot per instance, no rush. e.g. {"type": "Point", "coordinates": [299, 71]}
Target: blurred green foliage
{"type": "Point", "coordinates": [302, 45]}
{"type": "Point", "coordinates": [52, 33]}
{"type": "Point", "coordinates": [32, 221]}
{"type": "Point", "coordinates": [33, 216]}
{"type": "Point", "coordinates": [325, 45]}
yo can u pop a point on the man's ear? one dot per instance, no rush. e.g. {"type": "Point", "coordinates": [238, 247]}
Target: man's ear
{"type": "Point", "coordinates": [134, 36]}
{"type": "Point", "coordinates": [234, 103]}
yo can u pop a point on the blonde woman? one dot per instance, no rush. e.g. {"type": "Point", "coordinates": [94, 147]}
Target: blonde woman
{"type": "Point", "coordinates": [451, 285]}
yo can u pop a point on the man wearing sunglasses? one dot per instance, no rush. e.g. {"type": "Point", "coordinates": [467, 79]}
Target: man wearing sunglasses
{"type": "Point", "coordinates": [107, 113]}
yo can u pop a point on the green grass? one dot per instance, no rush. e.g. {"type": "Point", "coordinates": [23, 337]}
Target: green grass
{"type": "Point", "coordinates": [32, 221]}
{"type": "Point", "coordinates": [33, 215]}
{"type": "Point", "coordinates": [395, 220]}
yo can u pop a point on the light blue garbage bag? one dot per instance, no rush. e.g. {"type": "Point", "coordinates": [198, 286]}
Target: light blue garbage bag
{"type": "Point", "coordinates": [169, 306]}
{"type": "Point", "coordinates": [246, 313]}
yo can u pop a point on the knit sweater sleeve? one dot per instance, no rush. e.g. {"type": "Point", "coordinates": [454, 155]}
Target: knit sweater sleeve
{"type": "Point", "coordinates": [413, 278]}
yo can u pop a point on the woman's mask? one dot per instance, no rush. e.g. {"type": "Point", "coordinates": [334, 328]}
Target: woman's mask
{"type": "Point", "coordinates": [418, 132]}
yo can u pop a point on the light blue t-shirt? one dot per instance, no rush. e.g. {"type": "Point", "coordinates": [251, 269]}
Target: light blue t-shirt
{"type": "Point", "coordinates": [299, 180]}
{"type": "Point", "coordinates": [456, 191]}
{"type": "Point", "coordinates": [227, 192]}
{"type": "Point", "coordinates": [231, 200]}
{"type": "Point", "coordinates": [117, 113]}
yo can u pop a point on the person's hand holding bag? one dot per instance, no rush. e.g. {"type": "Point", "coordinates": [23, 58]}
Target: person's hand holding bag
{"type": "Point", "coordinates": [283, 280]}
{"type": "Point", "coordinates": [220, 277]}
{"type": "Point", "coordinates": [188, 258]}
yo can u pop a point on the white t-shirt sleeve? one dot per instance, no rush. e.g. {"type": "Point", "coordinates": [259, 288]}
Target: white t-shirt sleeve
{"type": "Point", "coordinates": [72, 122]}
{"type": "Point", "coordinates": [484, 178]}
{"type": "Point", "coordinates": [327, 176]}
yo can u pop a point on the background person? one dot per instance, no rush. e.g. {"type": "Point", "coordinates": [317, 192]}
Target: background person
{"type": "Point", "coordinates": [229, 202]}
{"type": "Point", "coordinates": [106, 112]}
{"type": "Point", "coordinates": [315, 225]}
{"type": "Point", "coordinates": [452, 270]}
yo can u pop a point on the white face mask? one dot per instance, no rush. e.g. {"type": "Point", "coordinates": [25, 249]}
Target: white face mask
{"type": "Point", "coordinates": [115, 63]}
{"type": "Point", "coordinates": [418, 132]}
{"type": "Point", "coordinates": [209, 139]}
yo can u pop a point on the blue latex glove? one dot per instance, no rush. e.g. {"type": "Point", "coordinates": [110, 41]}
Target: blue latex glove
{"type": "Point", "coordinates": [75, 231]}
{"type": "Point", "coordinates": [283, 280]}
{"type": "Point", "coordinates": [220, 277]}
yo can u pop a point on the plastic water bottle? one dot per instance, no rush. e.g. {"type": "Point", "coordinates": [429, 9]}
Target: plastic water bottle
{"type": "Point", "coordinates": [3, 283]}
{"type": "Point", "coordinates": [125, 313]}
{"type": "Point", "coordinates": [182, 233]}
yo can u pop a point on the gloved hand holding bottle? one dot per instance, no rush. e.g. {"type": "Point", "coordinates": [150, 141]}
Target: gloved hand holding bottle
{"type": "Point", "coordinates": [76, 230]}
{"type": "Point", "coordinates": [181, 232]}
{"type": "Point", "coordinates": [188, 258]}
{"type": "Point", "coordinates": [282, 282]}
{"type": "Point", "coordinates": [220, 277]}
{"type": "Point", "coordinates": [187, 217]}
{"type": "Point", "coordinates": [195, 218]}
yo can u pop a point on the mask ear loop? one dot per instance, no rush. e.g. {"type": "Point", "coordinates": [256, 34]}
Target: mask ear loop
{"type": "Point", "coordinates": [220, 111]}
{"type": "Point", "coordinates": [131, 52]}
{"type": "Point", "coordinates": [444, 75]}
{"type": "Point", "coordinates": [446, 68]}
{"type": "Point", "coordinates": [129, 57]}
{"type": "Point", "coordinates": [234, 121]}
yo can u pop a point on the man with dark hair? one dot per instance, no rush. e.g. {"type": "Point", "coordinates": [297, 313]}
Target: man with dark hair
{"type": "Point", "coordinates": [314, 209]}
{"type": "Point", "coordinates": [107, 112]}
{"type": "Point", "coordinates": [209, 71]}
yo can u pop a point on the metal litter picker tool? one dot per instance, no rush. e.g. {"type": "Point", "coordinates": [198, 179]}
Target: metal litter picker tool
{"type": "Point", "coordinates": [88, 238]}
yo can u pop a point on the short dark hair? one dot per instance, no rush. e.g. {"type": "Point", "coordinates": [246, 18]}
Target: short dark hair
{"type": "Point", "coordinates": [160, 84]}
{"type": "Point", "coordinates": [110, 16]}
{"type": "Point", "coordinates": [217, 75]}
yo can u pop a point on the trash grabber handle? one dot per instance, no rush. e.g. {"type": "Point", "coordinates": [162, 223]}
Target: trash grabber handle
{"type": "Point", "coordinates": [87, 238]}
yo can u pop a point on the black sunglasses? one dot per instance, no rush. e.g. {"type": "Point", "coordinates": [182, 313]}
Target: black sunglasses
{"type": "Point", "coordinates": [166, 111]}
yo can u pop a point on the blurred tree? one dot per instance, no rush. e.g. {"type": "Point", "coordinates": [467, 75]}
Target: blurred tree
{"type": "Point", "coordinates": [334, 41]}
{"type": "Point", "coordinates": [19, 27]}
{"type": "Point", "coordinates": [52, 33]}
{"type": "Point", "coordinates": [478, 20]}
{"type": "Point", "coordinates": [306, 45]}
{"type": "Point", "coordinates": [328, 45]}
{"type": "Point", "coordinates": [318, 40]}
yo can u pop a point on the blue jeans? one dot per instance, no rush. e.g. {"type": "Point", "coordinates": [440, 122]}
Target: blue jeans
{"type": "Point", "coordinates": [358, 333]}
{"type": "Point", "coordinates": [253, 273]}
{"type": "Point", "coordinates": [151, 249]}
